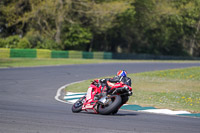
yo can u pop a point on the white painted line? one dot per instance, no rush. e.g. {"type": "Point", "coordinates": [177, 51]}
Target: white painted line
{"type": "Point", "coordinates": [72, 101]}
{"type": "Point", "coordinates": [72, 93]}
{"type": "Point", "coordinates": [58, 94]}
{"type": "Point", "coordinates": [77, 96]}
{"type": "Point", "coordinates": [165, 111]}
{"type": "Point", "coordinates": [159, 111]}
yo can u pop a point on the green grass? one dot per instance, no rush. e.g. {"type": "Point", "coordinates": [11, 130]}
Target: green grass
{"type": "Point", "coordinates": [24, 62]}
{"type": "Point", "coordinates": [19, 62]}
{"type": "Point", "coordinates": [176, 89]}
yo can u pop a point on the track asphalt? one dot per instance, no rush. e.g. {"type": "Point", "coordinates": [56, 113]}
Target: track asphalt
{"type": "Point", "coordinates": [27, 103]}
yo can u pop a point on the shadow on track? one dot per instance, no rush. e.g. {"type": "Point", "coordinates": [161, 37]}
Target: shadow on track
{"type": "Point", "coordinates": [118, 114]}
{"type": "Point", "coordinates": [128, 114]}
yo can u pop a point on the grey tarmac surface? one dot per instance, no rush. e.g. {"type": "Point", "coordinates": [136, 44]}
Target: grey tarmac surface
{"type": "Point", "coordinates": [27, 103]}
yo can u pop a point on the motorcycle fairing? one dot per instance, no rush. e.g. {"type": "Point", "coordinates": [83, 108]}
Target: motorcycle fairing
{"type": "Point", "coordinates": [90, 103]}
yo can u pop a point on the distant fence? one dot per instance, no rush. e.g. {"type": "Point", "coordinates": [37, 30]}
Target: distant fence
{"type": "Point", "coordinates": [152, 57]}
{"type": "Point", "coordinates": [44, 53]}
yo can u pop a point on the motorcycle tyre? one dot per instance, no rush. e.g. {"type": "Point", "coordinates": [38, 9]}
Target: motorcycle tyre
{"type": "Point", "coordinates": [124, 100]}
{"type": "Point", "coordinates": [77, 109]}
{"type": "Point", "coordinates": [113, 108]}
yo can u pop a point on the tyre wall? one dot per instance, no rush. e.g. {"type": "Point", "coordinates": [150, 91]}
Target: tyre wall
{"type": "Point", "coordinates": [45, 53]}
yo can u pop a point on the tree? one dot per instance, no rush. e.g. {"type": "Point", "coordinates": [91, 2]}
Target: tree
{"type": "Point", "coordinates": [162, 27]}
{"type": "Point", "coordinates": [101, 18]}
{"type": "Point", "coordinates": [77, 37]}
{"type": "Point", "coordinates": [11, 12]}
{"type": "Point", "coordinates": [189, 10]}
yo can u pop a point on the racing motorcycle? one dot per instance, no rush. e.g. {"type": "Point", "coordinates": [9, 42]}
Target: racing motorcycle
{"type": "Point", "coordinates": [99, 100]}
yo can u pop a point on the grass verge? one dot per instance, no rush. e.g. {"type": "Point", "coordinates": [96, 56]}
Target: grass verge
{"type": "Point", "coordinates": [176, 89]}
{"type": "Point", "coordinates": [20, 62]}
{"type": "Point", "coordinates": [24, 62]}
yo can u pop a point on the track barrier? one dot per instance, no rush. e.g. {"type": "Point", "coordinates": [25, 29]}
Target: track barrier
{"type": "Point", "coordinates": [45, 53]}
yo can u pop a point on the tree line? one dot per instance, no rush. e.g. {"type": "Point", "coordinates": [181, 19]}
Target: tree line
{"type": "Point", "coordinates": [160, 27]}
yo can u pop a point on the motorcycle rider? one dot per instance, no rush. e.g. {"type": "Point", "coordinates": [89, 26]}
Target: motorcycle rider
{"type": "Point", "coordinates": [109, 82]}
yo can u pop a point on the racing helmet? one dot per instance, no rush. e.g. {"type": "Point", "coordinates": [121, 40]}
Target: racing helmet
{"type": "Point", "coordinates": [122, 73]}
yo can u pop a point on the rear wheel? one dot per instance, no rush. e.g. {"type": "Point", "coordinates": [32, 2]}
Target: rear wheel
{"type": "Point", "coordinates": [77, 106]}
{"type": "Point", "coordinates": [112, 106]}
{"type": "Point", "coordinates": [124, 100]}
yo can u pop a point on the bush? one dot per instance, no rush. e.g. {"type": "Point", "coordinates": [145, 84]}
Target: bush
{"type": "Point", "coordinates": [77, 36]}
{"type": "Point", "coordinates": [47, 44]}
{"type": "Point", "coordinates": [40, 42]}
{"type": "Point", "coordinates": [2, 43]}
{"type": "Point", "coordinates": [10, 42]}
{"type": "Point", "coordinates": [29, 41]}
{"type": "Point", "coordinates": [34, 38]}
{"type": "Point", "coordinates": [14, 42]}
{"type": "Point", "coordinates": [24, 43]}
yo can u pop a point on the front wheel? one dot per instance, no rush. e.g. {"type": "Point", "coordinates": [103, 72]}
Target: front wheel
{"type": "Point", "coordinates": [112, 107]}
{"type": "Point", "coordinates": [77, 106]}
